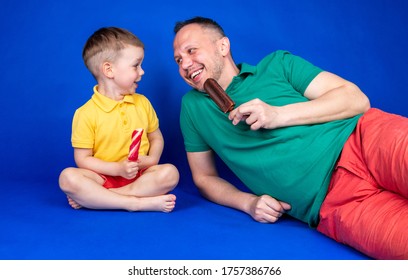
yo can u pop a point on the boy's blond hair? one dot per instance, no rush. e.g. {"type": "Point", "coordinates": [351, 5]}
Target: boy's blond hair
{"type": "Point", "coordinates": [105, 45]}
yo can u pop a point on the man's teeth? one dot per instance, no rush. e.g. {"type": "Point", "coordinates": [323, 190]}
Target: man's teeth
{"type": "Point", "coordinates": [196, 73]}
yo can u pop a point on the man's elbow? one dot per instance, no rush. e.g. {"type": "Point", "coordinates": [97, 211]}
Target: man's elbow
{"type": "Point", "coordinates": [199, 183]}
{"type": "Point", "coordinates": [361, 100]}
{"type": "Point", "coordinates": [365, 103]}
{"type": "Point", "coordinates": [202, 186]}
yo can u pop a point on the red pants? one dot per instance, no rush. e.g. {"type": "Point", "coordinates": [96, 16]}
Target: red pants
{"type": "Point", "coordinates": [118, 182]}
{"type": "Point", "coordinates": [367, 202]}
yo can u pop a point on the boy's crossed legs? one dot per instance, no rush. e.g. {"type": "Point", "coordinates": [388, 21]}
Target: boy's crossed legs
{"type": "Point", "coordinates": [149, 192]}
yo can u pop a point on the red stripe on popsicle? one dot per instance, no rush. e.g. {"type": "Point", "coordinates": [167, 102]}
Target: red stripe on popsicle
{"type": "Point", "coordinates": [135, 144]}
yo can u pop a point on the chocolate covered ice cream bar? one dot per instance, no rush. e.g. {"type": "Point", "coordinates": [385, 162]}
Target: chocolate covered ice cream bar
{"type": "Point", "coordinates": [218, 95]}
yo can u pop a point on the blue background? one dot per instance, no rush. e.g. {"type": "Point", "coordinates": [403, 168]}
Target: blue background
{"type": "Point", "coordinates": [44, 80]}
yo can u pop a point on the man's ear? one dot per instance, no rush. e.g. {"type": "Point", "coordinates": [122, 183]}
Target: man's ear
{"type": "Point", "coordinates": [107, 69]}
{"type": "Point", "coordinates": [224, 46]}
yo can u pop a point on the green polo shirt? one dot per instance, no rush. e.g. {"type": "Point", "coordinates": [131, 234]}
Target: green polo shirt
{"type": "Point", "coordinates": [292, 164]}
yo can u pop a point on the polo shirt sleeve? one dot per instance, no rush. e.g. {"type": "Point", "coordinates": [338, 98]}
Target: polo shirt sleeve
{"type": "Point", "coordinates": [298, 71]}
{"type": "Point", "coordinates": [83, 132]}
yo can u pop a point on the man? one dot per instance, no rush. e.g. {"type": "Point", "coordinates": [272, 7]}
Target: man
{"type": "Point", "coordinates": [303, 140]}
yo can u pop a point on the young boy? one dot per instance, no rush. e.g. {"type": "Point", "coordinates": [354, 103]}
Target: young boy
{"type": "Point", "coordinates": [102, 130]}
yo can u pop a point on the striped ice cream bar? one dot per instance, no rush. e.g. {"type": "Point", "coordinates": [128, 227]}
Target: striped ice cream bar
{"type": "Point", "coordinates": [135, 144]}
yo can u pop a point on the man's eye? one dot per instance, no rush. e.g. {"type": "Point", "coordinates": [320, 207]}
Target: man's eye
{"type": "Point", "coordinates": [179, 60]}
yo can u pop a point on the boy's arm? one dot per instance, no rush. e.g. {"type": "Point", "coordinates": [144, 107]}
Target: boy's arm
{"type": "Point", "coordinates": [85, 159]}
{"type": "Point", "coordinates": [155, 151]}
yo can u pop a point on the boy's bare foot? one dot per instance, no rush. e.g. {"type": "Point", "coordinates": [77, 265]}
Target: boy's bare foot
{"type": "Point", "coordinates": [73, 203]}
{"type": "Point", "coordinates": [164, 203]}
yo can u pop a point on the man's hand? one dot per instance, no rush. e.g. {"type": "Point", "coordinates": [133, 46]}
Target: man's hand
{"type": "Point", "coordinates": [266, 209]}
{"type": "Point", "coordinates": [257, 114]}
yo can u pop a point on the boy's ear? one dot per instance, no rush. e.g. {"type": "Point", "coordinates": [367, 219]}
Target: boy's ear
{"type": "Point", "coordinates": [107, 69]}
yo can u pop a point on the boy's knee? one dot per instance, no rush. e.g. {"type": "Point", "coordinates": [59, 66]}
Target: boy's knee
{"type": "Point", "coordinates": [65, 179]}
{"type": "Point", "coordinates": [170, 175]}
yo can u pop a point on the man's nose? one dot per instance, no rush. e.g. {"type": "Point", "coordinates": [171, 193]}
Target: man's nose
{"type": "Point", "coordinates": [186, 63]}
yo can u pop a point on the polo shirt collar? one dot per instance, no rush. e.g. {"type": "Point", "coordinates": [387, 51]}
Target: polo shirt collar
{"type": "Point", "coordinates": [107, 104]}
{"type": "Point", "coordinates": [246, 69]}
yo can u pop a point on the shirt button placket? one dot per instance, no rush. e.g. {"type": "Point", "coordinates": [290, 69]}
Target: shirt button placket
{"type": "Point", "coordinates": [123, 115]}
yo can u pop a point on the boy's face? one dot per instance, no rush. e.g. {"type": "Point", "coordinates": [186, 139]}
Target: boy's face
{"type": "Point", "coordinates": [127, 69]}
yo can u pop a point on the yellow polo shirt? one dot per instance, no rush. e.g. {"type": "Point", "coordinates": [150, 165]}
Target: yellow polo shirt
{"type": "Point", "coordinates": [105, 125]}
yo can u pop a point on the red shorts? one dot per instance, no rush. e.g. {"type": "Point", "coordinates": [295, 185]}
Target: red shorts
{"type": "Point", "coordinates": [367, 202]}
{"type": "Point", "coordinates": [118, 181]}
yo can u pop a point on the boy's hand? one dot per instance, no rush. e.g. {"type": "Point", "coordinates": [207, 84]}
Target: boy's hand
{"type": "Point", "coordinates": [128, 169]}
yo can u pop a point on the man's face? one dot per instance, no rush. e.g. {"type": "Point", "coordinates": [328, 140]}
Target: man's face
{"type": "Point", "coordinates": [197, 55]}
